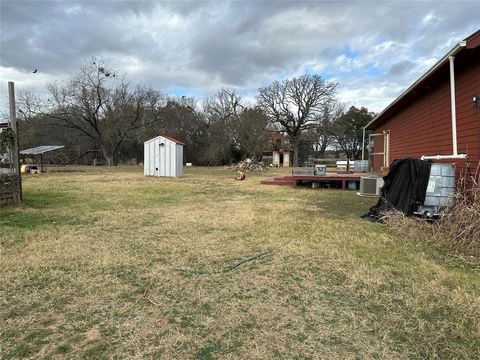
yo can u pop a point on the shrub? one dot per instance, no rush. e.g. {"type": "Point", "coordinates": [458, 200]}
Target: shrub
{"type": "Point", "coordinates": [458, 228]}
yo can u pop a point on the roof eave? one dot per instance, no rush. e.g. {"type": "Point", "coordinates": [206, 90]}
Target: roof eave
{"type": "Point", "coordinates": [434, 68]}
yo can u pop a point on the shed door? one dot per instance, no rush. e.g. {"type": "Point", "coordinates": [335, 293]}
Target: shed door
{"type": "Point", "coordinates": [161, 159]}
{"type": "Point", "coordinates": [156, 161]}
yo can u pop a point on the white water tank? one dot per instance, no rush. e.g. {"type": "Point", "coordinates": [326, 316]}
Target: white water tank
{"type": "Point", "coordinates": [361, 166]}
{"type": "Point", "coordinates": [440, 189]}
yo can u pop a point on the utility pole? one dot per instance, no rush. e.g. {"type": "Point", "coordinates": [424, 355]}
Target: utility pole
{"type": "Point", "coordinates": [14, 125]}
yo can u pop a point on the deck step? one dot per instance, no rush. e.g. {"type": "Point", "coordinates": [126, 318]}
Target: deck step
{"type": "Point", "coordinates": [277, 181]}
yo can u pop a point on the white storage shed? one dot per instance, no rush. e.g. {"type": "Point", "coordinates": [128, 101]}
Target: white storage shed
{"type": "Point", "coordinates": [163, 157]}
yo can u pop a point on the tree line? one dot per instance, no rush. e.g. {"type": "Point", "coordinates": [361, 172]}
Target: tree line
{"type": "Point", "coordinates": [98, 114]}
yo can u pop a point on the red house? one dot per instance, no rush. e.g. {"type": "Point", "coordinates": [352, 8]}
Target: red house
{"type": "Point", "coordinates": [437, 117]}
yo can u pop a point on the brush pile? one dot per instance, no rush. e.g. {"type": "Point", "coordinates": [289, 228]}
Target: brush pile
{"type": "Point", "coordinates": [248, 165]}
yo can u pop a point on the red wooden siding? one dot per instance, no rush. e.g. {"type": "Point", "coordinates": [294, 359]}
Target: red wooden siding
{"type": "Point", "coordinates": [422, 126]}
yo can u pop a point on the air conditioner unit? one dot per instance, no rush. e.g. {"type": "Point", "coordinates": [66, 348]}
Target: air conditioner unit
{"type": "Point", "coordinates": [370, 185]}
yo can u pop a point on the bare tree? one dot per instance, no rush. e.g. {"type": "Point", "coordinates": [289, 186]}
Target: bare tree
{"type": "Point", "coordinates": [252, 131]}
{"type": "Point", "coordinates": [182, 119]}
{"type": "Point", "coordinates": [101, 106]}
{"type": "Point", "coordinates": [125, 113]}
{"type": "Point", "coordinates": [221, 111]}
{"type": "Point", "coordinates": [322, 133]}
{"type": "Point", "coordinates": [295, 104]}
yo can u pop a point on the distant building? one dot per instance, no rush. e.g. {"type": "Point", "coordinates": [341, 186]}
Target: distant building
{"type": "Point", "coordinates": [421, 121]}
{"type": "Point", "coordinates": [277, 150]}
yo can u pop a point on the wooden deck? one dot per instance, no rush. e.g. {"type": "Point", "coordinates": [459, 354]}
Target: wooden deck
{"type": "Point", "coordinates": [329, 178]}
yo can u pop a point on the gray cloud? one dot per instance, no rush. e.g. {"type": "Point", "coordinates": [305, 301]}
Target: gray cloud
{"type": "Point", "coordinates": [203, 46]}
{"type": "Point", "coordinates": [400, 68]}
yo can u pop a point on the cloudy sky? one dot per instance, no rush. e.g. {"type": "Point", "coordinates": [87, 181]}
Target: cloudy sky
{"type": "Point", "coordinates": [373, 49]}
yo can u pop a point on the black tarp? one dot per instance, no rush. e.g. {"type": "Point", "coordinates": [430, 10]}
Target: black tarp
{"type": "Point", "coordinates": [404, 188]}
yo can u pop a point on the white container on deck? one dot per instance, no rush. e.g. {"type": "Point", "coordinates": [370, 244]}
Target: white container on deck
{"type": "Point", "coordinates": [320, 170]}
{"type": "Point", "coordinates": [361, 166]}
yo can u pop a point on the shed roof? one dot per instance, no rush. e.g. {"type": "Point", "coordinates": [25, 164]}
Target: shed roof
{"type": "Point", "coordinates": [40, 149]}
{"type": "Point", "coordinates": [173, 139]}
{"type": "Point", "coordinates": [470, 42]}
{"type": "Point", "coordinates": [168, 138]}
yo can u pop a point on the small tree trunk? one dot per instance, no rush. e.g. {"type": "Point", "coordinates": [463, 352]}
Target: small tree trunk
{"type": "Point", "coordinates": [321, 151]}
{"type": "Point", "coordinates": [349, 156]}
{"type": "Point", "coordinates": [108, 158]}
{"type": "Point", "coordinates": [295, 154]}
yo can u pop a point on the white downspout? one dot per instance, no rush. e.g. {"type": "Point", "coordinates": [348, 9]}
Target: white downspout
{"type": "Point", "coordinates": [384, 150]}
{"type": "Point", "coordinates": [455, 154]}
{"type": "Point", "coordinates": [452, 102]}
{"type": "Point", "coordinates": [363, 144]}
{"type": "Point", "coordinates": [387, 147]}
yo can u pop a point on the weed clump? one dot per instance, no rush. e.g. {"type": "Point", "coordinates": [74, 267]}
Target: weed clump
{"type": "Point", "coordinates": [461, 225]}
{"type": "Point", "coordinates": [457, 228]}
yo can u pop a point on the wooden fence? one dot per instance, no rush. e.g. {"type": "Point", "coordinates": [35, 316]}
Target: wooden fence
{"type": "Point", "coordinates": [9, 189]}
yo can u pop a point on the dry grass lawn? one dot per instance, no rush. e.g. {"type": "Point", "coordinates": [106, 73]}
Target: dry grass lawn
{"type": "Point", "coordinates": [91, 268]}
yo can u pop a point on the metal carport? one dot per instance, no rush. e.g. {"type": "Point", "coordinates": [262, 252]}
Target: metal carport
{"type": "Point", "coordinates": [40, 150]}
